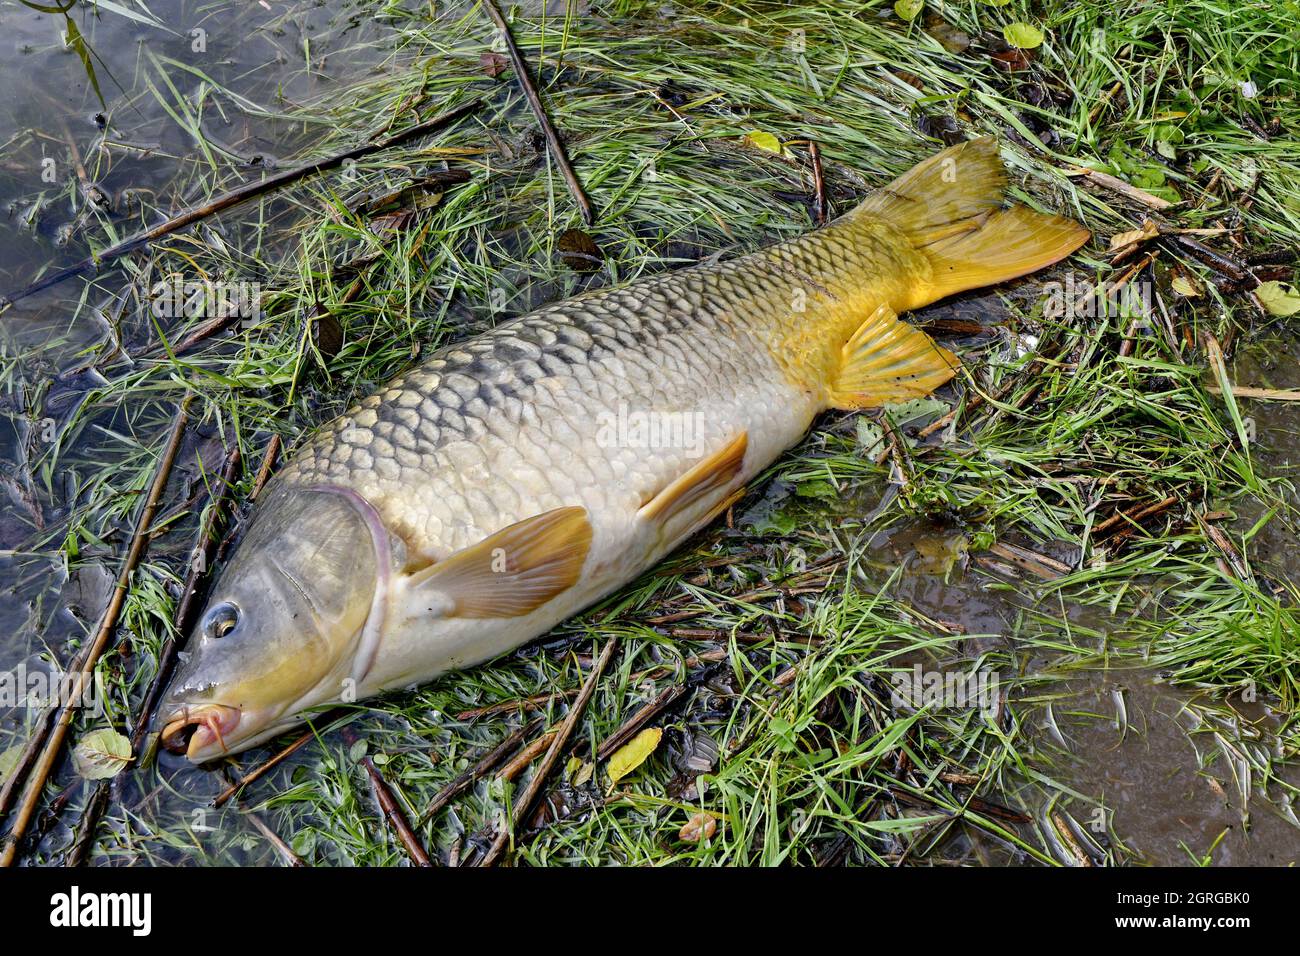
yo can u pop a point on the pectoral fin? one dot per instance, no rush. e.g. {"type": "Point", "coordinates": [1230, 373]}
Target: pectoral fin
{"type": "Point", "coordinates": [706, 477]}
{"type": "Point", "coordinates": [516, 570]}
{"type": "Point", "coordinates": [887, 360]}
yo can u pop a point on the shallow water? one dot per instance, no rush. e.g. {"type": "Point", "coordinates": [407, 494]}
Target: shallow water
{"type": "Point", "coordinates": [115, 93]}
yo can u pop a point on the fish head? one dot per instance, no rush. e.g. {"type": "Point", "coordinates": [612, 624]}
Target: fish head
{"type": "Point", "coordinates": [282, 628]}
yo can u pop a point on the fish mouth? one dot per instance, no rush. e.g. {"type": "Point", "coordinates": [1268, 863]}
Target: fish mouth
{"type": "Point", "coordinates": [192, 730]}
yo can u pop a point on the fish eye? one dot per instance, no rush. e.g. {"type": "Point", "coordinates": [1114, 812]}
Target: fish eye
{"type": "Point", "coordinates": [220, 620]}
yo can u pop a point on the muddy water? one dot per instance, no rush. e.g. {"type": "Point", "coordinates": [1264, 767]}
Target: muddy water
{"type": "Point", "coordinates": [111, 84]}
{"type": "Point", "coordinates": [1273, 362]}
{"type": "Point", "coordinates": [1167, 769]}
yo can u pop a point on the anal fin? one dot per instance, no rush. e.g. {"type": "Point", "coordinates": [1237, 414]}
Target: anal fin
{"type": "Point", "coordinates": [515, 571]}
{"type": "Point", "coordinates": [706, 477]}
{"type": "Point", "coordinates": [887, 360]}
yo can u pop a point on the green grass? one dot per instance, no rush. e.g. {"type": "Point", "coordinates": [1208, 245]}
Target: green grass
{"type": "Point", "coordinates": [824, 767]}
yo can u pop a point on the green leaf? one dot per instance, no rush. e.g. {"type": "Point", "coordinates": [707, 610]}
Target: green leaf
{"type": "Point", "coordinates": [304, 842]}
{"type": "Point", "coordinates": [816, 489]}
{"type": "Point", "coordinates": [903, 412]}
{"type": "Point", "coordinates": [1279, 298]}
{"type": "Point", "coordinates": [101, 754]}
{"type": "Point", "coordinates": [1025, 36]}
{"type": "Point", "coordinates": [908, 9]}
{"type": "Point", "coordinates": [633, 753]}
{"type": "Point", "coordinates": [9, 760]}
{"type": "Point", "coordinates": [77, 42]}
{"type": "Point", "coordinates": [871, 437]}
{"type": "Point", "coordinates": [777, 522]}
{"type": "Point", "coordinates": [764, 141]}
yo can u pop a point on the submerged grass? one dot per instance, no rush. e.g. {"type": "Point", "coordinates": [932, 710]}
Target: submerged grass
{"type": "Point", "coordinates": [850, 562]}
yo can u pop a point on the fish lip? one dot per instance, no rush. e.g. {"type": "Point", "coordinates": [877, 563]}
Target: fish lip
{"type": "Point", "coordinates": [212, 725]}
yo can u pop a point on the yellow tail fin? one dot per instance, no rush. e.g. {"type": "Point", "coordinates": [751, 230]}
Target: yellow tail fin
{"type": "Point", "coordinates": [950, 207]}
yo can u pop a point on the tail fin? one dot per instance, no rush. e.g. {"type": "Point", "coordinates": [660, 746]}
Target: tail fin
{"type": "Point", "coordinates": [950, 207]}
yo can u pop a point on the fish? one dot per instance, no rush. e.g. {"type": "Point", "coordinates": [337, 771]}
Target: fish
{"type": "Point", "coordinates": [517, 477]}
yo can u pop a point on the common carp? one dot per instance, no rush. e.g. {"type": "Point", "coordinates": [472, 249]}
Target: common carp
{"type": "Point", "coordinates": [515, 478]}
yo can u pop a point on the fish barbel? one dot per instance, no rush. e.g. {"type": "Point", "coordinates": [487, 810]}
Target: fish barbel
{"type": "Point", "coordinates": [515, 478]}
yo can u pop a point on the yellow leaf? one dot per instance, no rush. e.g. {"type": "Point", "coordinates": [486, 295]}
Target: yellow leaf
{"type": "Point", "coordinates": [1278, 298]}
{"type": "Point", "coordinates": [908, 9]}
{"type": "Point", "coordinates": [1149, 230]}
{"type": "Point", "coordinates": [633, 753]}
{"type": "Point", "coordinates": [765, 141]}
{"type": "Point", "coordinates": [1025, 36]}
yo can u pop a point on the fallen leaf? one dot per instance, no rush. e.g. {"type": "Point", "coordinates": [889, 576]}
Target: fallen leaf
{"type": "Point", "coordinates": [911, 79]}
{"type": "Point", "coordinates": [1023, 36]}
{"type": "Point", "coordinates": [909, 411]}
{"type": "Point", "coordinates": [698, 828]}
{"type": "Point", "coordinates": [1148, 230]}
{"type": "Point", "coordinates": [9, 760]}
{"type": "Point", "coordinates": [633, 753]}
{"type": "Point", "coordinates": [101, 754]}
{"type": "Point", "coordinates": [951, 38]}
{"type": "Point", "coordinates": [390, 223]}
{"type": "Point", "coordinates": [493, 64]}
{"type": "Point", "coordinates": [327, 334]}
{"type": "Point", "coordinates": [1187, 285]}
{"type": "Point", "coordinates": [908, 9]}
{"type": "Point", "coordinates": [579, 251]}
{"type": "Point", "coordinates": [1011, 60]}
{"type": "Point", "coordinates": [764, 141]}
{"type": "Point", "coordinates": [871, 437]}
{"type": "Point", "coordinates": [1279, 298]}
